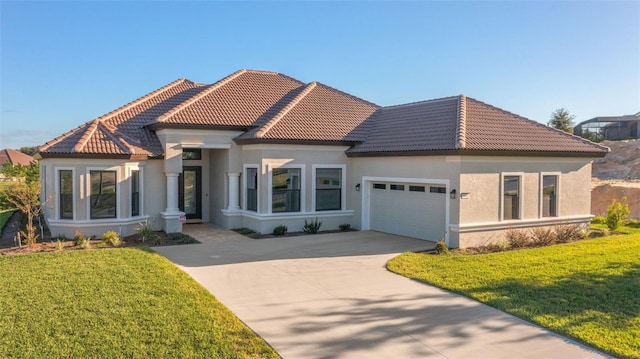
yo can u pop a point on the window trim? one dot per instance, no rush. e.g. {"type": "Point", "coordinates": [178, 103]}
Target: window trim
{"type": "Point", "coordinates": [118, 192]}
{"type": "Point", "coordinates": [140, 170]}
{"type": "Point", "coordinates": [245, 189]}
{"type": "Point", "coordinates": [270, 168]}
{"type": "Point", "coordinates": [520, 175]}
{"type": "Point", "coordinates": [541, 193]}
{"type": "Point", "coordinates": [343, 186]}
{"type": "Point", "coordinates": [57, 192]}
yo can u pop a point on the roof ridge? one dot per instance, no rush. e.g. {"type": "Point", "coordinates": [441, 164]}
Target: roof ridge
{"type": "Point", "coordinates": [420, 102]}
{"type": "Point", "coordinates": [461, 126]}
{"type": "Point", "coordinates": [267, 126]}
{"type": "Point", "coordinates": [142, 99]}
{"type": "Point", "coordinates": [541, 125]}
{"type": "Point", "coordinates": [347, 94]}
{"type": "Point", "coordinates": [202, 94]}
{"type": "Point", "coordinates": [120, 142]}
{"type": "Point", "coordinates": [93, 125]}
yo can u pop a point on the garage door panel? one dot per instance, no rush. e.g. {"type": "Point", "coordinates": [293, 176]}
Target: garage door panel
{"type": "Point", "coordinates": [408, 213]}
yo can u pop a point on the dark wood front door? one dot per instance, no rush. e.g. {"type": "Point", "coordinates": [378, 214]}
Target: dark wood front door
{"type": "Point", "coordinates": [190, 196]}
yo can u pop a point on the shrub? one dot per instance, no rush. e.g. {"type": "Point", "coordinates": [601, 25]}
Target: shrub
{"type": "Point", "coordinates": [81, 240]}
{"type": "Point", "coordinates": [112, 238]}
{"type": "Point", "coordinates": [345, 227]}
{"type": "Point", "coordinates": [517, 239]}
{"type": "Point", "coordinates": [312, 227]}
{"type": "Point", "coordinates": [280, 230]}
{"type": "Point", "coordinates": [182, 238]}
{"type": "Point", "coordinates": [617, 212]}
{"type": "Point", "coordinates": [247, 232]}
{"type": "Point", "coordinates": [145, 231]}
{"type": "Point", "coordinates": [598, 220]}
{"type": "Point", "coordinates": [441, 248]}
{"type": "Point", "coordinates": [567, 232]}
{"type": "Point", "coordinates": [59, 245]}
{"type": "Point", "coordinates": [542, 236]}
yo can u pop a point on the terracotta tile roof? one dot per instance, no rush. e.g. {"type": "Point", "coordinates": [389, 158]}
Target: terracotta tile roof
{"type": "Point", "coordinates": [272, 107]}
{"type": "Point", "coordinates": [122, 132]}
{"type": "Point", "coordinates": [244, 99]}
{"type": "Point", "coordinates": [464, 125]}
{"type": "Point", "coordinates": [319, 113]}
{"type": "Point", "coordinates": [15, 157]}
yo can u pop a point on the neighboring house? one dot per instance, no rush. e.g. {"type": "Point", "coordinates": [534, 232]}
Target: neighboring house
{"type": "Point", "coordinates": [609, 128]}
{"type": "Point", "coordinates": [15, 158]}
{"type": "Point", "coordinates": [260, 149]}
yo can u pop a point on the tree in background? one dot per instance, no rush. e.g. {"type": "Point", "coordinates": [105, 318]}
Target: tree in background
{"type": "Point", "coordinates": [562, 120]}
{"type": "Point", "coordinates": [29, 150]}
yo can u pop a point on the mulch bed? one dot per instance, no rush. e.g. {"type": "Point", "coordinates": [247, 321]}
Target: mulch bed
{"type": "Point", "coordinates": [51, 245]}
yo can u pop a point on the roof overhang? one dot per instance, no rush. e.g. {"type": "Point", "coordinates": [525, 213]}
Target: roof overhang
{"type": "Point", "coordinates": [253, 141]}
{"type": "Point", "coordinates": [510, 153]}
{"type": "Point", "coordinates": [96, 156]}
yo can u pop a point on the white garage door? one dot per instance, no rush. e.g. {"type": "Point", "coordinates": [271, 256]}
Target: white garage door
{"type": "Point", "coordinates": [408, 209]}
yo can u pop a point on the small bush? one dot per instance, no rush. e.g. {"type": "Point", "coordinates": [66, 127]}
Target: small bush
{"type": "Point", "coordinates": [280, 230]}
{"type": "Point", "coordinates": [617, 212]}
{"type": "Point", "coordinates": [112, 238]}
{"type": "Point", "coordinates": [312, 227]}
{"type": "Point", "coordinates": [598, 220]}
{"type": "Point", "coordinates": [59, 245]}
{"type": "Point", "coordinates": [516, 238]}
{"type": "Point", "coordinates": [183, 238]}
{"type": "Point", "coordinates": [542, 236]}
{"type": "Point", "coordinates": [81, 240]}
{"type": "Point", "coordinates": [567, 232]}
{"type": "Point", "coordinates": [247, 232]}
{"type": "Point", "coordinates": [345, 227]}
{"type": "Point", "coordinates": [441, 248]}
{"type": "Point", "coordinates": [146, 231]}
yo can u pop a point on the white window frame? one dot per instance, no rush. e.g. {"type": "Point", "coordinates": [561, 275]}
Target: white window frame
{"type": "Point", "coordinates": [140, 169]}
{"type": "Point", "coordinates": [244, 186]}
{"type": "Point", "coordinates": [302, 168]}
{"type": "Point", "coordinates": [520, 175]}
{"type": "Point", "coordinates": [541, 194]}
{"type": "Point", "coordinates": [57, 192]}
{"type": "Point", "coordinates": [118, 192]}
{"type": "Point", "coordinates": [343, 187]}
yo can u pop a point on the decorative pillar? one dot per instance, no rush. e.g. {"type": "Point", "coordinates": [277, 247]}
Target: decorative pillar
{"type": "Point", "coordinates": [234, 191]}
{"type": "Point", "coordinates": [171, 215]}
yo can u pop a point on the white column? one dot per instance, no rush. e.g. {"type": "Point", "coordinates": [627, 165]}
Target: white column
{"type": "Point", "coordinates": [172, 192]}
{"type": "Point", "coordinates": [234, 191]}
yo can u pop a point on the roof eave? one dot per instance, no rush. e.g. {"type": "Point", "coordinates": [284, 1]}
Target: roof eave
{"type": "Point", "coordinates": [253, 141]}
{"type": "Point", "coordinates": [132, 157]}
{"type": "Point", "coordinates": [454, 152]}
{"type": "Point", "coordinates": [159, 126]}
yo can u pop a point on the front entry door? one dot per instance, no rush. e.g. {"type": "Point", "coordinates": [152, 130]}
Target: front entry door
{"type": "Point", "coordinates": [190, 196]}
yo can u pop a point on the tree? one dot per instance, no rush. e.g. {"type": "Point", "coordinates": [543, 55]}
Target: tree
{"type": "Point", "coordinates": [562, 120]}
{"type": "Point", "coordinates": [25, 195]}
{"type": "Point", "coordinates": [29, 150]}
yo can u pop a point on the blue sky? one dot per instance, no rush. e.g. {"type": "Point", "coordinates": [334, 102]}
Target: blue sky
{"type": "Point", "coordinates": [66, 63]}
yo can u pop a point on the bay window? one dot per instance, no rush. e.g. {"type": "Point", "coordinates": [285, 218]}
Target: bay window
{"type": "Point", "coordinates": [285, 190]}
{"type": "Point", "coordinates": [103, 194]}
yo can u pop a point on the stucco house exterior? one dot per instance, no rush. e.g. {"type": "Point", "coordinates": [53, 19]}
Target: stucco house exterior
{"type": "Point", "coordinates": [260, 149]}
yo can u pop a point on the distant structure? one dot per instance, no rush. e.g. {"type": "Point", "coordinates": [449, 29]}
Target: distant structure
{"type": "Point", "coordinates": [609, 128]}
{"type": "Point", "coordinates": [15, 158]}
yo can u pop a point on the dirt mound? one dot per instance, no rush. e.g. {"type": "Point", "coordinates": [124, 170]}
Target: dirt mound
{"type": "Point", "coordinates": [622, 163]}
{"type": "Point", "coordinates": [603, 192]}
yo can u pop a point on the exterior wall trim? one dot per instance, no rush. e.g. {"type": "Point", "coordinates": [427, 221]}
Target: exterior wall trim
{"type": "Point", "coordinates": [490, 226]}
{"type": "Point", "coordinates": [286, 215]}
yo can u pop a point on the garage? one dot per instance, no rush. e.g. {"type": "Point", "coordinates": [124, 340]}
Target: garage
{"type": "Point", "coordinates": [415, 210]}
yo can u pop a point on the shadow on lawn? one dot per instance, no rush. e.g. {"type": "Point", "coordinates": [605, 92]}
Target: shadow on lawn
{"type": "Point", "coordinates": [612, 299]}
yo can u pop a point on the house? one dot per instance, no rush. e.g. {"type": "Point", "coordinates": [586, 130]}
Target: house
{"type": "Point", "coordinates": [14, 158]}
{"type": "Point", "coordinates": [260, 149]}
{"type": "Point", "coordinates": [609, 128]}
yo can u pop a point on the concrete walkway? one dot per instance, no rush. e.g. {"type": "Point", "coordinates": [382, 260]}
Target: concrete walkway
{"type": "Point", "coordinates": [330, 296]}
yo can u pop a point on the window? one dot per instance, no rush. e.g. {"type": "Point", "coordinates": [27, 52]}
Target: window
{"type": "Point", "coordinates": [397, 187]}
{"type": "Point", "coordinates": [379, 186]}
{"type": "Point", "coordinates": [191, 154]}
{"type": "Point", "coordinates": [285, 190]}
{"type": "Point", "coordinates": [549, 198]}
{"type": "Point", "coordinates": [103, 194]}
{"type": "Point", "coordinates": [135, 193]}
{"type": "Point", "coordinates": [511, 204]}
{"type": "Point", "coordinates": [416, 188]}
{"type": "Point", "coordinates": [437, 190]}
{"type": "Point", "coordinates": [66, 194]}
{"type": "Point", "coordinates": [328, 189]}
{"type": "Point", "coordinates": [252, 189]}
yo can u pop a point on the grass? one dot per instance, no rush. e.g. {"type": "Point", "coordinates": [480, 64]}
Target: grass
{"type": "Point", "coordinates": [588, 290]}
{"type": "Point", "coordinates": [4, 217]}
{"type": "Point", "coordinates": [114, 303]}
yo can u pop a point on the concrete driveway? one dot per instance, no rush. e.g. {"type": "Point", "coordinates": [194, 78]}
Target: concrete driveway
{"type": "Point", "coordinates": [330, 296]}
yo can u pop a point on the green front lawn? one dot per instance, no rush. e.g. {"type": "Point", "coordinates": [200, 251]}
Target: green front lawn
{"type": "Point", "coordinates": [114, 303]}
{"type": "Point", "coordinates": [588, 290]}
